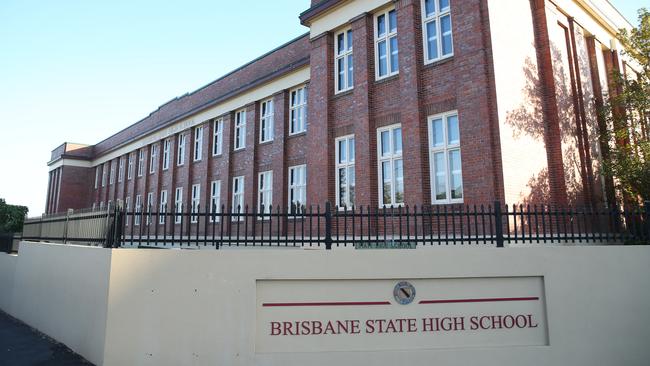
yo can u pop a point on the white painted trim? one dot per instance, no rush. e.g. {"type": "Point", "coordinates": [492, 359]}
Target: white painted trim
{"type": "Point", "coordinates": [345, 165]}
{"type": "Point", "coordinates": [342, 14]}
{"type": "Point", "coordinates": [386, 38]}
{"type": "Point", "coordinates": [69, 162]}
{"type": "Point", "coordinates": [344, 57]}
{"type": "Point", "coordinates": [380, 186]}
{"type": "Point", "coordinates": [288, 81]}
{"type": "Point", "coordinates": [445, 149]}
{"type": "Point", "coordinates": [425, 41]}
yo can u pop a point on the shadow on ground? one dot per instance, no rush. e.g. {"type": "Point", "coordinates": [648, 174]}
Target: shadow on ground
{"type": "Point", "coordinates": [21, 345]}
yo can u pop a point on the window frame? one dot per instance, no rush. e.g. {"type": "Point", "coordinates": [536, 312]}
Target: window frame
{"type": "Point", "coordinates": [267, 120]}
{"type": "Point", "coordinates": [236, 195]}
{"type": "Point", "coordinates": [167, 143]}
{"type": "Point", "coordinates": [150, 206]}
{"type": "Point", "coordinates": [111, 175]}
{"type": "Point", "coordinates": [347, 51]}
{"type": "Point", "coordinates": [348, 164]}
{"type": "Point", "coordinates": [388, 35]}
{"type": "Point", "coordinates": [127, 205]}
{"type": "Point", "coordinates": [264, 193]}
{"type": "Point", "coordinates": [138, 210]}
{"type": "Point", "coordinates": [178, 205]}
{"type": "Point", "coordinates": [239, 128]}
{"type": "Point", "coordinates": [392, 157]}
{"type": "Point", "coordinates": [217, 136]}
{"type": "Point", "coordinates": [152, 158]}
{"type": "Point", "coordinates": [302, 106]}
{"type": "Point", "coordinates": [198, 144]}
{"type": "Point", "coordinates": [104, 173]}
{"type": "Point", "coordinates": [162, 208]}
{"type": "Point", "coordinates": [129, 169]}
{"type": "Point", "coordinates": [215, 200]}
{"type": "Point", "coordinates": [446, 148]}
{"type": "Point", "coordinates": [196, 202]}
{"type": "Point", "coordinates": [301, 186]}
{"type": "Point", "coordinates": [140, 162]}
{"type": "Point", "coordinates": [436, 16]}
{"type": "Point", "coordinates": [120, 170]}
{"type": "Point", "coordinates": [180, 149]}
{"type": "Point", "coordinates": [97, 169]}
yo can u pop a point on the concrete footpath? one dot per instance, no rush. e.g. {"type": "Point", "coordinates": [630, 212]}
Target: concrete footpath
{"type": "Point", "coordinates": [21, 345]}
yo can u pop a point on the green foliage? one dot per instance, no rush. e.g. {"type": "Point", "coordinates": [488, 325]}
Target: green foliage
{"type": "Point", "coordinates": [627, 116]}
{"type": "Point", "coordinates": [11, 217]}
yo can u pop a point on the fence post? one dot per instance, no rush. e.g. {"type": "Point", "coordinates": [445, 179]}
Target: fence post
{"type": "Point", "coordinates": [498, 222]}
{"type": "Point", "coordinates": [328, 226]}
{"type": "Point", "coordinates": [65, 228]}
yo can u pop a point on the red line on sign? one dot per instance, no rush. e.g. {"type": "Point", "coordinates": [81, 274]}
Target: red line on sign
{"type": "Point", "coordinates": [348, 303]}
{"type": "Point", "coordinates": [498, 299]}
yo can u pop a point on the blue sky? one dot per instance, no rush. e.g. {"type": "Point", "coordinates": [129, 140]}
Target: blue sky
{"type": "Point", "coordinates": [79, 71]}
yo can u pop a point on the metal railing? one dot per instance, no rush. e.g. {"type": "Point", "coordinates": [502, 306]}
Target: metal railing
{"type": "Point", "coordinates": [358, 227]}
{"type": "Point", "coordinates": [88, 227]}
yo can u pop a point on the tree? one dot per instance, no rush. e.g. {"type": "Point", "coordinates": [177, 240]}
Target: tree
{"type": "Point", "coordinates": [11, 217]}
{"type": "Point", "coordinates": [627, 117]}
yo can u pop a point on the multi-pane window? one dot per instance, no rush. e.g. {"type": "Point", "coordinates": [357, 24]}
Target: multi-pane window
{"type": "Point", "coordinates": [129, 170]}
{"type": "Point", "coordinates": [128, 209]}
{"type": "Point", "coordinates": [298, 110]}
{"type": "Point", "coordinates": [111, 179]}
{"type": "Point", "coordinates": [120, 173]}
{"type": "Point", "coordinates": [152, 159]}
{"type": "Point", "coordinates": [345, 177]}
{"type": "Point", "coordinates": [215, 199]}
{"type": "Point", "coordinates": [386, 50]}
{"type": "Point", "coordinates": [166, 150]}
{"type": "Point", "coordinates": [391, 168]}
{"type": "Point", "coordinates": [97, 170]}
{"type": "Point", "coordinates": [297, 187]}
{"type": "Point", "coordinates": [237, 197]}
{"type": "Point", "coordinates": [444, 147]}
{"type": "Point", "coordinates": [180, 151]}
{"type": "Point", "coordinates": [436, 19]}
{"type": "Point", "coordinates": [240, 129]}
{"type": "Point", "coordinates": [265, 192]}
{"type": "Point", "coordinates": [217, 137]}
{"type": "Point", "coordinates": [149, 207]}
{"type": "Point", "coordinates": [178, 205]}
{"type": "Point", "coordinates": [104, 172]}
{"type": "Point", "coordinates": [198, 143]}
{"type": "Point", "coordinates": [163, 207]}
{"type": "Point", "coordinates": [343, 61]}
{"type": "Point", "coordinates": [266, 121]}
{"type": "Point", "coordinates": [140, 162]}
{"type": "Point", "coordinates": [138, 209]}
{"type": "Point", "coordinates": [196, 200]}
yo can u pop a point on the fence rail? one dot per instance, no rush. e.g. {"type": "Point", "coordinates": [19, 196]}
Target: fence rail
{"type": "Point", "coordinates": [357, 227]}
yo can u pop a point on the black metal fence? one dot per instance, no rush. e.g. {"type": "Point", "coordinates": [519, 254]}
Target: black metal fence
{"type": "Point", "coordinates": [359, 227]}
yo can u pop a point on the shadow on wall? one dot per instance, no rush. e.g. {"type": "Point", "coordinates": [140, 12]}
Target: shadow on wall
{"type": "Point", "coordinates": [528, 120]}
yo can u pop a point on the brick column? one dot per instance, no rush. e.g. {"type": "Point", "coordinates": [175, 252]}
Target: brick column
{"type": "Point", "coordinates": [552, 135]}
{"type": "Point", "coordinates": [320, 162]}
{"type": "Point", "coordinates": [414, 124]}
{"type": "Point", "coordinates": [364, 125]}
{"type": "Point", "coordinates": [279, 162]}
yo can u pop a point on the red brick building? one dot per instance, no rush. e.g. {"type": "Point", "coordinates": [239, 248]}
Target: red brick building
{"type": "Point", "coordinates": [381, 103]}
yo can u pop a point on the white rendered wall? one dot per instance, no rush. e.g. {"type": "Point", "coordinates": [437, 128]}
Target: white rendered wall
{"type": "Point", "coordinates": [63, 292]}
{"type": "Point", "coordinates": [183, 307]}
